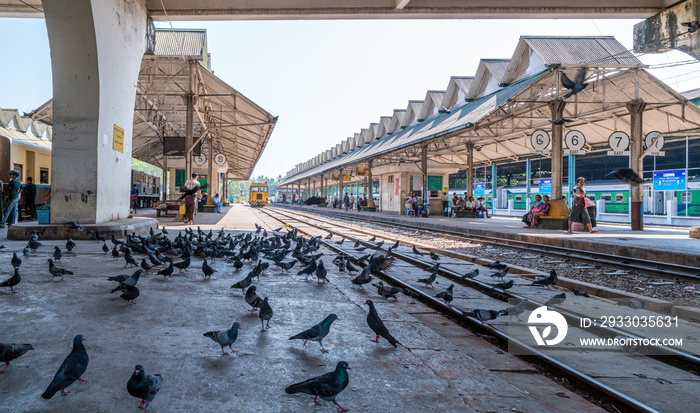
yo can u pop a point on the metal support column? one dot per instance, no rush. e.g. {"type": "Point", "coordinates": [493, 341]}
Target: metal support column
{"type": "Point", "coordinates": [528, 191]}
{"type": "Point", "coordinates": [424, 170]}
{"type": "Point", "coordinates": [636, 109]}
{"type": "Point", "coordinates": [572, 177]}
{"type": "Point", "coordinates": [494, 182]}
{"type": "Point", "coordinates": [556, 108]}
{"type": "Point", "coordinates": [470, 169]}
{"type": "Point", "coordinates": [165, 182]}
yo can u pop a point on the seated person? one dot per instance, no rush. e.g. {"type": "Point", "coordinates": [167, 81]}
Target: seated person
{"type": "Point", "coordinates": [202, 201]}
{"type": "Point", "coordinates": [455, 199]}
{"type": "Point", "coordinates": [470, 205]}
{"type": "Point", "coordinates": [460, 205]}
{"type": "Point", "coordinates": [415, 204]}
{"type": "Point", "coordinates": [481, 206]}
{"type": "Point", "coordinates": [538, 211]}
{"type": "Point", "coordinates": [217, 203]}
{"type": "Point", "coordinates": [538, 203]}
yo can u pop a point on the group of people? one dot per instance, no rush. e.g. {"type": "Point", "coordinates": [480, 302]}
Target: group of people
{"type": "Point", "coordinates": [579, 209]}
{"type": "Point", "coordinates": [540, 208]}
{"type": "Point", "coordinates": [193, 197]}
{"type": "Point", "coordinates": [350, 202]}
{"type": "Point", "coordinates": [467, 203]}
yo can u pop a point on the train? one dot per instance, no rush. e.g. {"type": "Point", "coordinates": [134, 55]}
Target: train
{"type": "Point", "coordinates": [149, 186]}
{"type": "Point", "coordinates": [615, 194]}
{"type": "Point", "coordinates": [258, 194]}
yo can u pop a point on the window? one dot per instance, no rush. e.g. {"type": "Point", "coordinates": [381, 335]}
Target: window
{"type": "Point", "coordinates": [619, 197]}
{"type": "Point", "coordinates": [254, 188]}
{"type": "Point", "coordinates": [606, 197]}
{"type": "Point", "coordinates": [686, 198]}
{"type": "Point", "coordinates": [390, 179]}
{"type": "Point", "coordinates": [263, 189]}
{"type": "Point", "coordinates": [518, 198]}
{"type": "Point", "coordinates": [18, 168]}
{"type": "Point", "coordinates": [43, 176]}
{"type": "Point", "coordinates": [591, 197]}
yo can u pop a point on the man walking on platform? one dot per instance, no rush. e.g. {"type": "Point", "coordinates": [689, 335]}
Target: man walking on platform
{"type": "Point", "coordinates": [346, 201]}
{"type": "Point", "coordinates": [14, 188]}
{"type": "Point", "coordinates": [30, 197]}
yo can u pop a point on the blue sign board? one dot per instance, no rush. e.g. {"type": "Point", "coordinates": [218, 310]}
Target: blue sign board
{"type": "Point", "coordinates": [479, 189]}
{"type": "Point", "coordinates": [671, 180]}
{"type": "Point", "coordinates": [546, 186]}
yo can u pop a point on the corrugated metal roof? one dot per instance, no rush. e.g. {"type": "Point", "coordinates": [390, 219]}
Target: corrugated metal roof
{"type": "Point", "coordinates": [180, 42]}
{"type": "Point", "coordinates": [693, 95]}
{"type": "Point", "coordinates": [24, 139]}
{"type": "Point", "coordinates": [497, 67]}
{"type": "Point", "coordinates": [594, 50]}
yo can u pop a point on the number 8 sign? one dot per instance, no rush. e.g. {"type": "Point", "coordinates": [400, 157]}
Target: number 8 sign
{"type": "Point", "coordinates": [539, 140]}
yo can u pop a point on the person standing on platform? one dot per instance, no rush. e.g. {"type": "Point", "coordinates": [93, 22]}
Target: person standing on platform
{"type": "Point", "coordinates": [346, 201]}
{"type": "Point", "coordinates": [217, 203]}
{"type": "Point", "coordinates": [14, 189]}
{"type": "Point", "coordinates": [191, 193]}
{"type": "Point", "coordinates": [30, 197]}
{"type": "Point", "coordinates": [134, 198]}
{"type": "Point", "coordinates": [578, 210]}
{"type": "Point", "coordinates": [352, 202]}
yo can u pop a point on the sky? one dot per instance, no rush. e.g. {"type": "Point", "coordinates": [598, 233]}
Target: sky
{"type": "Point", "coordinates": [326, 80]}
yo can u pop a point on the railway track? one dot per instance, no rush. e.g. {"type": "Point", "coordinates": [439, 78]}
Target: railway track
{"type": "Point", "coordinates": [652, 268]}
{"type": "Point", "coordinates": [587, 381]}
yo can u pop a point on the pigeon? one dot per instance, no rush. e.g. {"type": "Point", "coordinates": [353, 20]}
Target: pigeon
{"type": "Point", "coordinates": [374, 238]}
{"type": "Point", "coordinates": [146, 266]}
{"type": "Point", "coordinates": [207, 270]}
{"type": "Point", "coordinates": [378, 245]}
{"type": "Point", "coordinates": [561, 121]}
{"type": "Point", "coordinates": [395, 245]}
{"type": "Point", "coordinates": [16, 261]}
{"type": "Point", "coordinates": [123, 279]}
{"type": "Point", "coordinates": [98, 237]}
{"type": "Point", "coordinates": [72, 369]}
{"type": "Point", "coordinates": [310, 269]}
{"type": "Point", "coordinates": [155, 261]}
{"type": "Point", "coordinates": [341, 263]}
{"type": "Point", "coordinates": [12, 281]}
{"type": "Point", "coordinates": [377, 325]}
{"type": "Point", "coordinates": [516, 310]}
{"type": "Point", "coordinates": [484, 315]}
{"type": "Point", "coordinates": [500, 274]}
{"type": "Point", "coordinates": [252, 298]}
{"type": "Point", "coordinates": [105, 248]}
{"type": "Point", "coordinates": [434, 256]}
{"type": "Point", "coordinates": [167, 272]}
{"type": "Point", "coordinates": [360, 249]}
{"type": "Point", "coordinates": [576, 86]}
{"type": "Point", "coordinates": [546, 282]}
{"type": "Point", "coordinates": [115, 252]}
{"type": "Point", "coordinates": [415, 251]}
{"type": "Point", "coordinates": [632, 304]}
{"type": "Point", "coordinates": [130, 259]}
{"type": "Point", "coordinates": [57, 271]}
{"type": "Point", "coordinates": [34, 236]}
{"type": "Point", "coordinates": [504, 285]}
{"type": "Point", "coordinates": [556, 300]}
{"type": "Point", "coordinates": [57, 253]}
{"type": "Point", "coordinates": [357, 244]}
{"type": "Point", "coordinates": [26, 251]}
{"type": "Point", "coordinates": [471, 274]}
{"type": "Point", "coordinates": [225, 337]}
{"type": "Point", "coordinates": [129, 293]}
{"type": "Point", "coordinates": [34, 244]}
{"type": "Point", "coordinates": [11, 351]}
{"type": "Point", "coordinates": [496, 265]}
{"type": "Point", "coordinates": [626, 175]}
{"type": "Point", "coordinates": [692, 26]}
{"type": "Point", "coordinates": [579, 292]}
{"type": "Point", "coordinates": [182, 265]}
{"type": "Point", "coordinates": [350, 267]}
{"type": "Point", "coordinates": [286, 265]}
{"type": "Point", "coordinates": [433, 268]}
{"type": "Point", "coordinates": [329, 236]}
{"type": "Point", "coordinates": [321, 272]}
{"type": "Point", "coordinates": [327, 386]}
{"type": "Point", "coordinates": [447, 295]}
{"type": "Point", "coordinates": [362, 278]}
{"type": "Point", "coordinates": [144, 387]}
{"type": "Point", "coordinates": [74, 225]}
{"type": "Point", "coordinates": [70, 244]}
{"type": "Point", "coordinates": [340, 242]}
{"type": "Point", "coordinates": [244, 283]}
{"type": "Point", "coordinates": [387, 292]}
{"type": "Point", "coordinates": [317, 332]}
{"type": "Point", "coordinates": [238, 264]}
{"type": "Point", "coordinates": [265, 313]}
{"type": "Point", "coordinates": [428, 281]}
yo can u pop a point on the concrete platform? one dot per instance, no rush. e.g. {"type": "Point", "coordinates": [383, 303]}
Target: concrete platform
{"type": "Point", "coordinates": [139, 225]}
{"type": "Point", "coordinates": [449, 369]}
{"type": "Point", "coordinates": [654, 243]}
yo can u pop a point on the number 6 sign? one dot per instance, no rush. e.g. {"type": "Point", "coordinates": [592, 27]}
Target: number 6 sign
{"type": "Point", "coordinates": [540, 140]}
{"type": "Point", "coordinates": [619, 143]}
{"type": "Point", "coordinates": [574, 142]}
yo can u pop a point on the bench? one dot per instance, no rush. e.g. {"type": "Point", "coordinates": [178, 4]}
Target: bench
{"type": "Point", "coordinates": [465, 214]}
{"type": "Point", "coordinates": [558, 217]}
{"type": "Point", "coordinates": [173, 205]}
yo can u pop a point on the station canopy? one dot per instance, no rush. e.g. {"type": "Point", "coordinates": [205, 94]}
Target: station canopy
{"type": "Point", "coordinates": [507, 100]}
{"type": "Point", "coordinates": [236, 126]}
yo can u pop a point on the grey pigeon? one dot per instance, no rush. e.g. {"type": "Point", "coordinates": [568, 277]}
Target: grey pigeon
{"type": "Point", "coordinates": [74, 225]}
{"type": "Point", "coordinates": [244, 283]}
{"type": "Point", "coordinates": [128, 280]}
{"type": "Point", "coordinates": [252, 298]}
{"type": "Point", "coordinates": [12, 281]}
{"type": "Point", "coordinates": [471, 274]}
{"type": "Point", "coordinates": [377, 325]}
{"type": "Point", "coordinates": [500, 274]}
{"type": "Point", "coordinates": [321, 272]}
{"type": "Point", "coordinates": [105, 248]}
{"type": "Point", "coordinates": [265, 314]}
{"type": "Point", "coordinates": [387, 292]}
{"type": "Point", "coordinates": [362, 278]}
{"type": "Point", "coordinates": [484, 315]}
{"type": "Point", "coordinates": [11, 351]}
{"type": "Point", "coordinates": [632, 304]}
{"type": "Point", "coordinates": [15, 261]}
{"type": "Point", "coordinates": [350, 267]}
{"type": "Point", "coordinates": [327, 386]}
{"type": "Point", "coordinates": [329, 236]}
{"type": "Point", "coordinates": [225, 337]}
{"type": "Point", "coordinates": [415, 251]}
{"type": "Point", "coordinates": [182, 265]}
{"type": "Point", "coordinates": [70, 244]}
{"type": "Point", "coordinates": [207, 269]}
{"type": "Point", "coordinates": [516, 310]}
{"type": "Point", "coordinates": [115, 252]}
{"type": "Point", "coordinates": [167, 272]}
{"type": "Point", "coordinates": [56, 253]}
{"type": "Point", "coordinates": [574, 86]}
{"type": "Point", "coordinates": [447, 294]}
{"type": "Point", "coordinates": [341, 263]}
{"type": "Point", "coordinates": [144, 387]}
{"type": "Point", "coordinates": [26, 251]}
{"type": "Point", "coordinates": [433, 268]}
{"type": "Point", "coordinates": [496, 265]}
{"type": "Point", "coordinates": [130, 259]}
{"type": "Point", "coordinates": [146, 266]}
{"type": "Point", "coordinates": [310, 269]}
{"type": "Point", "coordinates": [579, 292]}
{"type": "Point", "coordinates": [129, 293]}
{"type": "Point", "coordinates": [434, 256]}
{"type": "Point", "coordinates": [428, 281]}
{"type": "Point", "coordinates": [57, 271]}
{"type": "Point", "coordinates": [504, 285]}
{"type": "Point", "coordinates": [374, 238]}
{"type": "Point", "coordinates": [72, 369]}
{"type": "Point", "coordinates": [378, 245]}
{"type": "Point", "coordinates": [317, 332]}
{"type": "Point", "coordinates": [548, 281]}
{"type": "Point", "coordinates": [556, 300]}
{"type": "Point", "coordinates": [395, 245]}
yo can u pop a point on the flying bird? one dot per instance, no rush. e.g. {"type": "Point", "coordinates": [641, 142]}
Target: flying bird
{"type": "Point", "coordinates": [574, 86]}
{"type": "Point", "coordinates": [561, 121]}
{"type": "Point", "coordinates": [327, 386]}
{"type": "Point", "coordinates": [72, 369]}
{"type": "Point", "coordinates": [626, 175]}
{"type": "Point", "coordinates": [144, 387]}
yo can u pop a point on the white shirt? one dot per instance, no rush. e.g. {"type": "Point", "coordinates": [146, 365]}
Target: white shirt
{"type": "Point", "coordinates": [191, 183]}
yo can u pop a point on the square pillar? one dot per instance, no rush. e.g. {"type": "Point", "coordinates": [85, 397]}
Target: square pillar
{"type": "Point", "coordinates": [636, 109]}
{"type": "Point", "coordinates": [556, 108]}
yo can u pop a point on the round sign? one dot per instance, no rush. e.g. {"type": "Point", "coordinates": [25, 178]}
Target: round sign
{"type": "Point", "coordinates": [650, 139]}
{"type": "Point", "coordinates": [619, 141]}
{"type": "Point", "coordinates": [220, 159]}
{"type": "Point", "coordinates": [540, 140]}
{"type": "Point", "coordinates": [574, 140]}
{"type": "Point", "coordinates": [200, 160]}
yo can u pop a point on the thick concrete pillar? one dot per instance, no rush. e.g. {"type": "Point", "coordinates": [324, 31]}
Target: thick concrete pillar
{"type": "Point", "coordinates": [211, 189]}
{"type": "Point", "coordinates": [636, 109]}
{"type": "Point", "coordinates": [189, 123]}
{"type": "Point", "coordinates": [666, 31]}
{"type": "Point", "coordinates": [340, 186]}
{"type": "Point", "coordinates": [171, 182]}
{"type": "Point", "coordinates": [470, 169]}
{"type": "Point", "coordinates": [370, 199]}
{"type": "Point", "coordinates": [96, 51]}
{"type": "Point", "coordinates": [557, 109]}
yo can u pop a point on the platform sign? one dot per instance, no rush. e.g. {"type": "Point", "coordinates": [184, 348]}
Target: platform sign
{"type": "Point", "coordinates": [546, 186]}
{"type": "Point", "coordinates": [619, 143]}
{"type": "Point", "coordinates": [670, 180]}
{"type": "Point", "coordinates": [118, 139]}
{"type": "Point", "coordinates": [479, 189]}
{"type": "Point", "coordinates": [575, 141]}
{"type": "Point", "coordinates": [540, 140]}
{"type": "Point", "coordinates": [656, 148]}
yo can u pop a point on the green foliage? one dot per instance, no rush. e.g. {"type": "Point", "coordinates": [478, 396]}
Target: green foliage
{"type": "Point", "coordinates": [141, 166]}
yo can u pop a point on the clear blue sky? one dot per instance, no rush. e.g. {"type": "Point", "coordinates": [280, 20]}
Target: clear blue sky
{"type": "Point", "coordinates": [327, 80]}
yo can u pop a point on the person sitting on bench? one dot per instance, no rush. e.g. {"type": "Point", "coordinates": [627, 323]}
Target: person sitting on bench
{"type": "Point", "coordinates": [481, 206]}
{"type": "Point", "coordinates": [470, 205]}
{"type": "Point", "coordinates": [540, 209]}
